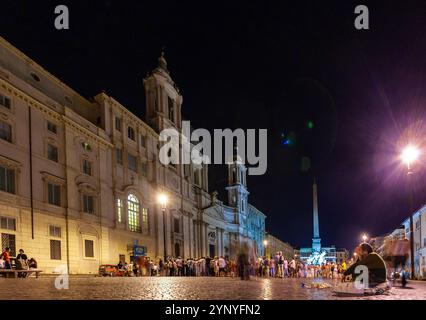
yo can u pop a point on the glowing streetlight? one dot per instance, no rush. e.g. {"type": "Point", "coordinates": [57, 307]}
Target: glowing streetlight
{"type": "Point", "coordinates": [364, 237]}
{"type": "Point", "coordinates": [163, 199]}
{"type": "Point", "coordinates": [265, 242]}
{"type": "Point", "coordinates": [409, 155]}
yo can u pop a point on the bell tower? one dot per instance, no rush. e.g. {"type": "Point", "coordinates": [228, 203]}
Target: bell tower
{"type": "Point", "coordinates": [163, 99]}
{"type": "Point", "coordinates": [237, 183]}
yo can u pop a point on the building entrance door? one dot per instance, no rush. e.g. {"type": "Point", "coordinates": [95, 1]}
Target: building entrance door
{"type": "Point", "coordinates": [212, 250]}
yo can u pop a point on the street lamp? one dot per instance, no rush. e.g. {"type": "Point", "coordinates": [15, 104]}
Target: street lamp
{"type": "Point", "coordinates": [364, 238]}
{"type": "Point", "coordinates": [408, 156]}
{"type": "Point", "coordinates": [163, 200]}
{"type": "Point", "coordinates": [265, 244]}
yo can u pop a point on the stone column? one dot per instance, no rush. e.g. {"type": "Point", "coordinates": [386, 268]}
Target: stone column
{"type": "Point", "coordinates": [222, 251]}
{"type": "Point", "coordinates": [201, 228]}
{"type": "Point", "coordinates": [196, 239]}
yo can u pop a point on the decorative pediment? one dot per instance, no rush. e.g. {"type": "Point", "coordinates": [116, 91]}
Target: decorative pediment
{"type": "Point", "coordinates": [46, 176]}
{"type": "Point", "coordinates": [215, 212]}
{"type": "Point", "coordinates": [9, 163]}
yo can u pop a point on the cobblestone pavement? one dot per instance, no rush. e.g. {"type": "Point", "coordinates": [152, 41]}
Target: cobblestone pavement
{"type": "Point", "coordinates": [87, 288]}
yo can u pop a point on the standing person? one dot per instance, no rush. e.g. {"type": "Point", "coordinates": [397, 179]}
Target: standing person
{"type": "Point", "coordinates": [280, 263]}
{"type": "Point", "coordinates": [207, 267]}
{"type": "Point", "coordinates": [343, 266]}
{"type": "Point", "coordinates": [243, 264]}
{"type": "Point", "coordinates": [286, 274]}
{"type": "Point", "coordinates": [6, 257]}
{"type": "Point", "coordinates": [140, 263]}
{"type": "Point", "coordinates": [272, 267]}
{"type": "Point", "coordinates": [135, 268]}
{"type": "Point", "coordinates": [260, 266]}
{"type": "Point", "coordinates": [161, 266]}
{"type": "Point", "coordinates": [216, 266]}
{"type": "Point", "coordinates": [292, 268]}
{"type": "Point", "coordinates": [222, 266]}
{"type": "Point", "coordinates": [179, 264]}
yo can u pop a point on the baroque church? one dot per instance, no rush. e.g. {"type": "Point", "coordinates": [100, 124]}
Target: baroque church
{"type": "Point", "coordinates": [80, 178]}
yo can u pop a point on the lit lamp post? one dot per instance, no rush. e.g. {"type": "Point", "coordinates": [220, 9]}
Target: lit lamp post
{"type": "Point", "coordinates": [364, 238]}
{"type": "Point", "coordinates": [162, 200]}
{"type": "Point", "coordinates": [409, 155]}
{"type": "Point", "coordinates": [265, 244]}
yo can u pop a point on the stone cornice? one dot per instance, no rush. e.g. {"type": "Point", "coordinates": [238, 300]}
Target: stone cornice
{"type": "Point", "coordinates": [77, 127]}
{"type": "Point", "coordinates": [124, 110]}
{"type": "Point", "coordinates": [34, 103]}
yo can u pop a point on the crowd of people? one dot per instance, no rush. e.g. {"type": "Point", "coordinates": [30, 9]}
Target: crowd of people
{"type": "Point", "coordinates": [206, 266]}
{"type": "Point", "coordinates": [20, 262]}
{"type": "Point", "coordinates": [276, 266]}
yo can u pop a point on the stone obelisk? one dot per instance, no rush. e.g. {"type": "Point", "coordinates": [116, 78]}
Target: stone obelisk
{"type": "Point", "coordinates": [316, 240]}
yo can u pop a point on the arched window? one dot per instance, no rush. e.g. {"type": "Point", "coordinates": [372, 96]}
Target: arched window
{"type": "Point", "coordinates": [133, 212]}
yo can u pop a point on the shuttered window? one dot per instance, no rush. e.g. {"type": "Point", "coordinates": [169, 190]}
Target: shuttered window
{"type": "Point", "coordinates": [9, 241]}
{"type": "Point", "coordinates": [89, 251]}
{"type": "Point", "coordinates": [7, 180]}
{"type": "Point", "coordinates": [55, 249]}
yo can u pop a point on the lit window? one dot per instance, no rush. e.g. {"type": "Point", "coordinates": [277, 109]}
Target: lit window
{"type": "Point", "coordinates": [119, 210]}
{"type": "Point", "coordinates": [7, 180]}
{"type": "Point", "coordinates": [5, 131]}
{"type": "Point", "coordinates": [145, 218]}
{"type": "Point", "coordinates": [133, 213]}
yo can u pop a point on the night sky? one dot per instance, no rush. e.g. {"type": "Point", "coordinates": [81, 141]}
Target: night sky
{"type": "Point", "coordinates": [275, 65]}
